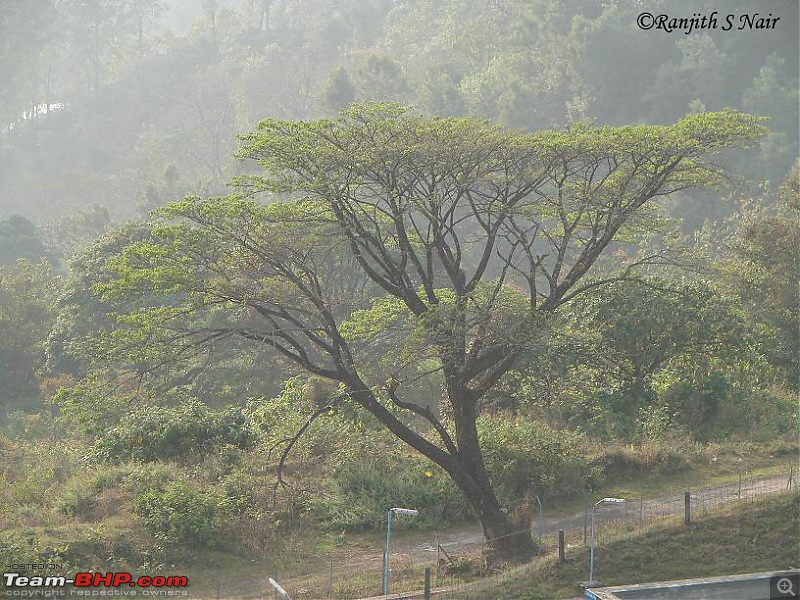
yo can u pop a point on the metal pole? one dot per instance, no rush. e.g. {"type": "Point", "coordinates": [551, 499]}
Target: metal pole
{"type": "Point", "coordinates": [330, 579]}
{"type": "Point", "coordinates": [541, 524]}
{"type": "Point", "coordinates": [279, 591]}
{"type": "Point", "coordinates": [386, 571]}
{"type": "Point", "coordinates": [591, 551]}
{"type": "Point", "coordinates": [585, 514]}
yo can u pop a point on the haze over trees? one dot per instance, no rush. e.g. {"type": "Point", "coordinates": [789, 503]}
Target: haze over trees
{"type": "Point", "coordinates": [128, 113]}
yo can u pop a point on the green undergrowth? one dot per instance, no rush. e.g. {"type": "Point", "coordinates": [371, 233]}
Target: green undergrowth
{"type": "Point", "coordinates": [145, 511]}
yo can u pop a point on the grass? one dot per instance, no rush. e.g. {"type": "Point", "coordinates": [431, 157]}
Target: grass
{"type": "Point", "coordinates": [61, 508]}
{"type": "Point", "coordinates": [305, 569]}
{"type": "Point", "coordinates": [751, 537]}
{"type": "Point", "coordinates": [712, 465]}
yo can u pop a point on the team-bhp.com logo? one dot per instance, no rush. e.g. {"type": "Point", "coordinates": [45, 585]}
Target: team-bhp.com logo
{"type": "Point", "coordinates": [16, 583]}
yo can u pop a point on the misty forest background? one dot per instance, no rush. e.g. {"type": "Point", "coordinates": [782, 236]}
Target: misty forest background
{"type": "Point", "coordinates": [112, 108]}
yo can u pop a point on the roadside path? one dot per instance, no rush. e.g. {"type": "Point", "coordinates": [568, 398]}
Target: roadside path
{"type": "Point", "coordinates": [469, 539]}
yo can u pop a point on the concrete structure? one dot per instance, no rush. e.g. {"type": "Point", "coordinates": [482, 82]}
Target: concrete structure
{"type": "Point", "coordinates": [750, 586]}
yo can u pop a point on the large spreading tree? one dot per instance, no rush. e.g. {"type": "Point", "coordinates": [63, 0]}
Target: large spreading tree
{"type": "Point", "coordinates": [397, 248]}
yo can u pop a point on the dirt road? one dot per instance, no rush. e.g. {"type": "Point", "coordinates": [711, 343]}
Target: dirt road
{"type": "Point", "coordinates": [418, 549]}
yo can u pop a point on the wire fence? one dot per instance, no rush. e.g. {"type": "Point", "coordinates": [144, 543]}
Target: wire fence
{"type": "Point", "coordinates": [454, 559]}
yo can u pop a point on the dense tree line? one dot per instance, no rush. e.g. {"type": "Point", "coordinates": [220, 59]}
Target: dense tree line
{"type": "Point", "coordinates": [127, 114]}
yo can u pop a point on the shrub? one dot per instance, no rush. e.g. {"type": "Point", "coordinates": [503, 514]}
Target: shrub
{"type": "Point", "coordinates": [149, 476]}
{"type": "Point", "coordinates": [179, 514]}
{"type": "Point", "coordinates": [365, 488]}
{"type": "Point", "coordinates": [187, 432]}
{"type": "Point", "coordinates": [651, 457]}
{"type": "Point", "coordinates": [76, 499]}
{"type": "Point", "coordinates": [526, 457]}
{"type": "Point", "coordinates": [28, 426]}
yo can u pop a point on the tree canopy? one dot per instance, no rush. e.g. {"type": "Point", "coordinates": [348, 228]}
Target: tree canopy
{"type": "Point", "coordinates": [453, 236]}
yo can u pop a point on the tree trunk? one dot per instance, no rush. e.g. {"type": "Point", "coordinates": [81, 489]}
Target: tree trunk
{"type": "Point", "coordinates": [504, 538]}
{"type": "Point", "coordinates": [466, 468]}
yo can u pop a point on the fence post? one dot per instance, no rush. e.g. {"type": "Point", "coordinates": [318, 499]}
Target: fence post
{"type": "Point", "coordinates": [561, 554]}
{"type": "Point", "coordinates": [687, 508]}
{"type": "Point", "coordinates": [427, 590]}
{"type": "Point", "coordinates": [384, 571]}
{"type": "Point", "coordinates": [438, 560]}
{"type": "Point", "coordinates": [641, 508]}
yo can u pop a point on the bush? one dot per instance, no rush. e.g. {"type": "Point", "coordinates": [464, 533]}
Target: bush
{"type": "Point", "coordinates": [28, 426]}
{"type": "Point", "coordinates": [366, 488]}
{"type": "Point", "coordinates": [648, 458]}
{"type": "Point", "coordinates": [149, 476]}
{"type": "Point", "coordinates": [86, 495]}
{"type": "Point", "coordinates": [761, 415]}
{"type": "Point", "coordinates": [187, 432]}
{"type": "Point", "coordinates": [76, 499]}
{"type": "Point", "coordinates": [526, 457]}
{"type": "Point", "coordinates": [179, 514]}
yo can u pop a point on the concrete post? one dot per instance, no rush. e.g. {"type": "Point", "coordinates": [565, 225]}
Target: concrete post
{"type": "Point", "coordinates": [687, 508]}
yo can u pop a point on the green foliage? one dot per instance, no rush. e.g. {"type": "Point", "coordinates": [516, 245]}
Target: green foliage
{"type": "Point", "coordinates": [642, 357]}
{"type": "Point", "coordinates": [31, 473]}
{"type": "Point", "coordinates": [81, 314]}
{"type": "Point", "coordinates": [368, 484]}
{"type": "Point", "coordinates": [187, 432]}
{"type": "Point", "coordinates": [71, 233]}
{"type": "Point", "coordinates": [19, 240]}
{"type": "Point", "coordinates": [76, 499]}
{"type": "Point", "coordinates": [31, 426]}
{"type": "Point", "coordinates": [532, 64]}
{"type": "Point", "coordinates": [357, 470]}
{"type": "Point", "coordinates": [381, 78]}
{"type": "Point", "coordinates": [422, 209]}
{"type": "Point", "coordinates": [12, 547]}
{"type": "Point", "coordinates": [654, 422]}
{"type": "Point", "coordinates": [340, 91]}
{"type": "Point", "coordinates": [527, 458]}
{"type": "Point", "coordinates": [661, 457]}
{"type": "Point", "coordinates": [84, 494]}
{"type": "Point", "coordinates": [763, 271]}
{"type": "Point", "coordinates": [27, 293]}
{"type": "Point", "coordinates": [149, 476]}
{"type": "Point", "coordinates": [179, 514]}
{"type": "Point", "coordinates": [763, 413]}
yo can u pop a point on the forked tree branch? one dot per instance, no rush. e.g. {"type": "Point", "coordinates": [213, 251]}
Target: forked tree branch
{"type": "Point", "coordinates": [291, 441]}
{"type": "Point", "coordinates": [424, 412]}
